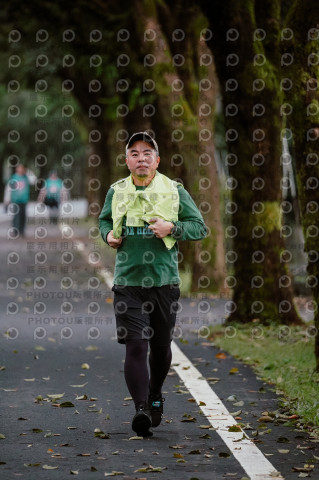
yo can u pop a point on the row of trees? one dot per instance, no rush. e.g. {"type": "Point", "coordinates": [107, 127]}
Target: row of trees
{"type": "Point", "coordinates": [162, 66]}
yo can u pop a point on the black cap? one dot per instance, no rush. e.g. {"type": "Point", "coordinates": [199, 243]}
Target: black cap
{"type": "Point", "coordinates": [144, 137]}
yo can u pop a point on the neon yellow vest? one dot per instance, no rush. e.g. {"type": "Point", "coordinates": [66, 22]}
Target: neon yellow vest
{"type": "Point", "coordinates": [159, 199]}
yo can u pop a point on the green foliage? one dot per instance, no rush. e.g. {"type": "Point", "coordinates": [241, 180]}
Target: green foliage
{"type": "Point", "coordinates": [35, 128]}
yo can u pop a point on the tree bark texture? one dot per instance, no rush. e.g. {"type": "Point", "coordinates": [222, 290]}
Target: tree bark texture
{"type": "Point", "coordinates": [301, 73]}
{"type": "Point", "coordinates": [248, 67]}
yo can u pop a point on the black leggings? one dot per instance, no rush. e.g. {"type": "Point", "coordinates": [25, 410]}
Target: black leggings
{"type": "Point", "coordinates": [139, 379]}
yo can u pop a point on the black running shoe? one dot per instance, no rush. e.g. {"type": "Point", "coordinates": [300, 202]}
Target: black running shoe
{"type": "Point", "coordinates": [155, 403]}
{"type": "Point", "coordinates": [142, 422]}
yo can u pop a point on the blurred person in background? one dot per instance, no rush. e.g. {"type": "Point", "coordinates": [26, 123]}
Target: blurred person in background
{"type": "Point", "coordinates": [52, 195]}
{"type": "Point", "coordinates": [17, 195]}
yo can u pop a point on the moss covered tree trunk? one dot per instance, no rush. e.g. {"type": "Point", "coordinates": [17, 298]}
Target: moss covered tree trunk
{"type": "Point", "coordinates": [245, 46]}
{"type": "Point", "coordinates": [302, 44]}
{"type": "Point", "coordinates": [185, 154]}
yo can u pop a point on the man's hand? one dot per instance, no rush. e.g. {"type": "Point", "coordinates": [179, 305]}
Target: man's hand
{"type": "Point", "coordinates": [113, 242]}
{"type": "Point", "coordinates": [160, 227]}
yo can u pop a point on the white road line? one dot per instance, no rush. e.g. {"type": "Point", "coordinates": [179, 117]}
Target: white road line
{"type": "Point", "coordinates": [245, 451]}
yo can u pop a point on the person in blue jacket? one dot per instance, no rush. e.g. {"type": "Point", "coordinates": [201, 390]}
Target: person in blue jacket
{"type": "Point", "coordinates": [18, 196]}
{"type": "Point", "coordinates": [52, 194]}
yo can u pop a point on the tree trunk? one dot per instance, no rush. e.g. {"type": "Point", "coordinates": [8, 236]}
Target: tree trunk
{"type": "Point", "coordinates": [188, 153]}
{"type": "Point", "coordinates": [303, 96]}
{"type": "Point", "coordinates": [249, 74]}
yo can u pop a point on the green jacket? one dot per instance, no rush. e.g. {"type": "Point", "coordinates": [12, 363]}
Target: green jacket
{"type": "Point", "coordinates": [142, 259]}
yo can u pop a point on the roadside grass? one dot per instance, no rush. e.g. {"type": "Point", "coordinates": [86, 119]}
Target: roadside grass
{"type": "Point", "coordinates": [284, 357]}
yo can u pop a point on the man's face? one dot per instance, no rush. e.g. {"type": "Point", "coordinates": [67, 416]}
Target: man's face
{"type": "Point", "coordinates": [142, 160]}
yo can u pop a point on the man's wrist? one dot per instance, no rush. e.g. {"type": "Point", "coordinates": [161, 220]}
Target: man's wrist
{"type": "Point", "coordinates": [173, 229]}
{"type": "Point", "coordinates": [177, 231]}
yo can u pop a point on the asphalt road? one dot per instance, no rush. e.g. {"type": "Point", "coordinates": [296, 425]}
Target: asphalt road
{"type": "Point", "coordinates": [65, 409]}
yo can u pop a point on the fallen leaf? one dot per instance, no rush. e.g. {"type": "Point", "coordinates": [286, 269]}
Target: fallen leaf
{"type": "Point", "coordinates": [241, 439]}
{"type": "Point", "coordinates": [29, 379]}
{"type": "Point", "coordinates": [48, 467]}
{"type": "Point", "coordinates": [283, 451]}
{"type": "Point", "coordinates": [32, 464]}
{"type": "Point", "coordinates": [233, 370]}
{"type": "Point", "coordinates": [79, 386]}
{"type": "Point", "coordinates": [305, 469]}
{"type": "Point", "coordinates": [2, 436]}
{"type": "Point", "coordinates": [194, 452]}
{"type": "Point", "coordinates": [66, 405]}
{"type": "Point", "coordinates": [213, 379]}
{"type": "Point", "coordinates": [113, 473]}
{"type": "Point", "coordinates": [56, 396]}
{"type": "Point", "coordinates": [85, 366]}
{"type": "Point", "coordinates": [100, 434]}
{"type": "Point", "coordinates": [74, 472]}
{"type": "Point", "coordinates": [135, 437]}
{"type": "Point", "coordinates": [221, 355]}
{"type": "Point", "coordinates": [265, 418]}
{"type": "Point", "coordinates": [150, 468]}
{"type": "Point", "coordinates": [224, 454]}
{"type": "Point", "coordinates": [231, 398]}
{"type": "Point", "coordinates": [282, 440]}
{"type": "Point", "coordinates": [188, 418]}
{"type": "Point", "coordinates": [234, 428]}
{"type": "Point", "coordinates": [176, 446]}
{"type": "Point", "coordinates": [239, 404]}
{"type": "Point", "coordinates": [235, 414]}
